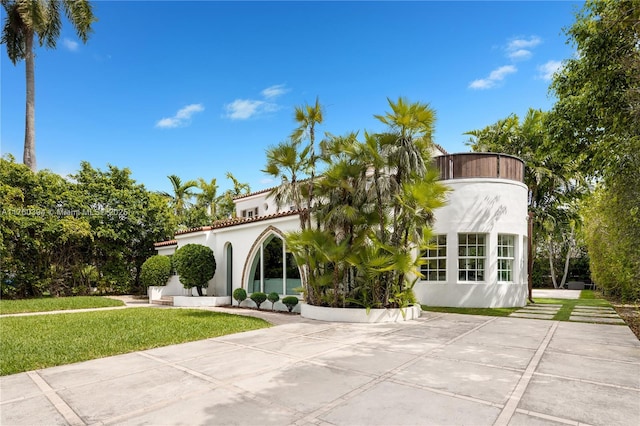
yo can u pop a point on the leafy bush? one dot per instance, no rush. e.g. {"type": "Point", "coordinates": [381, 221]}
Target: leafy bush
{"type": "Point", "coordinates": [258, 297]}
{"type": "Point", "coordinates": [195, 265]}
{"type": "Point", "coordinates": [290, 302]}
{"type": "Point", "coordinates": [239, 294]}
{"type": "Point", "coordinates": [155, 271]}
{"type": "Point", "coordinates": [273, 297]}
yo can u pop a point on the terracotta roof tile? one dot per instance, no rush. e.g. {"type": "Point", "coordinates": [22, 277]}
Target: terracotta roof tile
{"type": "Point", "coordinates": [165, 243]}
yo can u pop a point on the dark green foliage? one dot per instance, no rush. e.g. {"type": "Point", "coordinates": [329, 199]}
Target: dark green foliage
{"type": "Point", "coordinates": [290, 302]}
{"type": "Point", "coordinates": [596, 121]}
{"type": "Point", "coordinates": [59, 237]}
{"type": "Point", "coordinates": [196, 265]}
{"type": "Point", "coordinates": [258, 297]}
{"type": "Point", "coordinates": [155, 271]}
{"type": "Point", "coordinates": [373, 208]}
{"type": "Point", "coordinates": [273, 297]}
{"type": "Point", "coordinates": [239, 294]}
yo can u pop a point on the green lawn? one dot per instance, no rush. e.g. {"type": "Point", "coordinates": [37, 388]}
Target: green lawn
{"type": "Point", "coordinates": [39, 341]}
{"type": "Point", "coordinates": [56, 304]}
{"type": "Point", "coordinates": [587, 298]}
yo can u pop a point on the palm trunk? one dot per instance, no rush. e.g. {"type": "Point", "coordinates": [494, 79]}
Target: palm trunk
{"type": "Point", "coordinates": [551, 268]}
{"type": "Point", "coordinates": [29, 156]}
{"type": "Point", "coordinates": [567, 260]}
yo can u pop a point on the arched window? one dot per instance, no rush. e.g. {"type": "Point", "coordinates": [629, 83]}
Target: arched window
{"type": "Point", "coordinates": [229, 269]}
{"type": "Point", "coordinates": [273, 269]}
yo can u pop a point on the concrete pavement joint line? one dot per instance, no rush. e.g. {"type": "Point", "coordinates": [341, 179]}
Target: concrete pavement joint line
{"type": "Point", "coordinates": [593, 382]}
{"type": "Point", "coordinates": [482, 364]}
{"type": "Point", "coordinates": [551, 418]}
{"type": "Point", "coordinates": [447, 393]}
{"type": "Point", "coordinates": [63, 408]}
{"type": "Point", "coordinates": [147, 409]}
{"type": "Point", "coordinates": [515, 397]}
{"type": "Point", "coordinates": [184, 369]}
{"type": "Point", "coordinates": [219, 383]}
{"type": "Point", "coordinates": [387, 376]}
{"type": "Point", "coordinates": [558, 351]}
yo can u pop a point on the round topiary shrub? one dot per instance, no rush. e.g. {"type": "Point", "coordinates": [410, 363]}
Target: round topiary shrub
{"type": "Point", "coordinates": [155, 271]}
{"type": "Point", "coordinates": [239, 294]}
{"type": "Point", "coordinates": [258, 297]}
{"type": "Point", "coordinates": [273, 297]}
{"type": "Point", "coordinates": [290, 302]}
{"type": "Point", "coordinates": [195, 265]}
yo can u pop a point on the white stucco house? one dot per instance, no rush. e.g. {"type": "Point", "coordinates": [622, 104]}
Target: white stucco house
{"type": "Point", "coordinates": [479, 258]}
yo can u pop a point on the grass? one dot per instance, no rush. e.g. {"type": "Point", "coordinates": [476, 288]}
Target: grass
{"type": "Point", "coordinates": [587, 298]}
{"type": "Point", "coordinates": [56, 304]}
{"type": "Point", "coordinates": [40, 341]}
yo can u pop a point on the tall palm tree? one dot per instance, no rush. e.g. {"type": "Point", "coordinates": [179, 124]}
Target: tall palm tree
{"type": "Point", "coordinates": [308, 117]}
{"type": "Point", "coordinates": [406, 148]}
{"type": "Point", "coordinates": [286, 163]}
{"type": "Point", "coordinates": [181, 193]}
{"type": "Point", "coordinates": [208, 196]}
{"type": "Point", "coordinates": [25, 20]}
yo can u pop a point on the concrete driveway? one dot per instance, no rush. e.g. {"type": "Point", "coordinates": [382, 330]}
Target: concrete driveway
{"type": "Point", "coordinates": [443, 369]}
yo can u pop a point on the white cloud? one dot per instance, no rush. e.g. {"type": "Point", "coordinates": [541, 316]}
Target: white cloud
{"type": "Point", "coordinates": [70, 44]}
{"type": "Point", "coordinates": [521, 43]}
{"type": "Point", "coordinates": [520, 54]}
{"type": "Point", "coordinates": [495, 76]}
{"type": "Point", "coordinates": [548, 69]}
{"type": "Point", "coordinates": [181, 118]}
{"type": "Point", "coordinates": [519, 49]}
{"type": "Point", "coordinates": [274, 91]}
{"type": "Point", "coordinates": [243, 109]}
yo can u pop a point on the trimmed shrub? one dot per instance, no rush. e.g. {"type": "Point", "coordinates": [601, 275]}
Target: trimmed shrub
{"type": "Point", "coordinates": [155, 271]}
{"type": "Point", "coordinates": [290, 302]}
{"type": "Point", "coordinates": [258, 297]}
{"type": "Point", "coordinates": [273, 297]}
{"type": "Point", "coordinates": [239, 294]}
{"type": "Point", "coordinates": [195, 265]}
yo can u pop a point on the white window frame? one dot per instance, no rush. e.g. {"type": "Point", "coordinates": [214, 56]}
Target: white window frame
{"type": "Point", "coordinates": [436, 254]}
{"type": "Point", "coordinates": [472, 257]}
{"type": "Point", "coordinates": [506, 257]}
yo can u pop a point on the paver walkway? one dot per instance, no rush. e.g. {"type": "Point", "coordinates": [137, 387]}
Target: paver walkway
{"type": "Point", "coordinates": [546, 311]}
{"type": "Point", "coordinates": [442, 369]}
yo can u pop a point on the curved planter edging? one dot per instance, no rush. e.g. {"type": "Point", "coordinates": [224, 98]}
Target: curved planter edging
{"type": "Point", "coordinates": [195, 301]}
{"type": "Point", "coordinates": [323, 313]}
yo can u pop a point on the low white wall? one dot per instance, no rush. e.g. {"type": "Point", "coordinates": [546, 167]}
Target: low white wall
{"type": "Point", "coordinates": [190, 301]}
{"type": "Point", "coordinates": [173, 288]}
{"type": "Point", "coordinates": [322, 313]}
{"type": "Point", "coordinates": [461, 295]}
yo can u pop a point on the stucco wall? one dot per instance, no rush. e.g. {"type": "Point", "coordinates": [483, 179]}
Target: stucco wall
{"type": "Point", "coordinates": [484, 206]}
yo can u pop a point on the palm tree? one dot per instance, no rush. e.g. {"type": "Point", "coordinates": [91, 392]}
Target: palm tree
{"type": "Point", "coordinates": [308, 117]}
{"type": "Point", "coordinates": [406, 147]}
{"type": "Point", "coordinates": [225, 201]}
{"type": "Point", "coordinates": [181, 193]}
{"type": "Point", "coordinates": [286, 163]}
{"type": "Point", "coordinates": [29, 18]}
{"type": "Point", "coordinates": [208, 196]}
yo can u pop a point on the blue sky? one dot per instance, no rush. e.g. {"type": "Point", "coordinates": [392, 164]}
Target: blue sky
{"type": "Point", "coordinates": [200, 88]}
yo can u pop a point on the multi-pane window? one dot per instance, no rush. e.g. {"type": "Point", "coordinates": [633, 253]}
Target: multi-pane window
{"type": "Point", "coordinates": [471, 257]}
{"type": "Point", "coordinates": [505, 257]}
{"type": "Point", "coordinates": [435, 268]}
